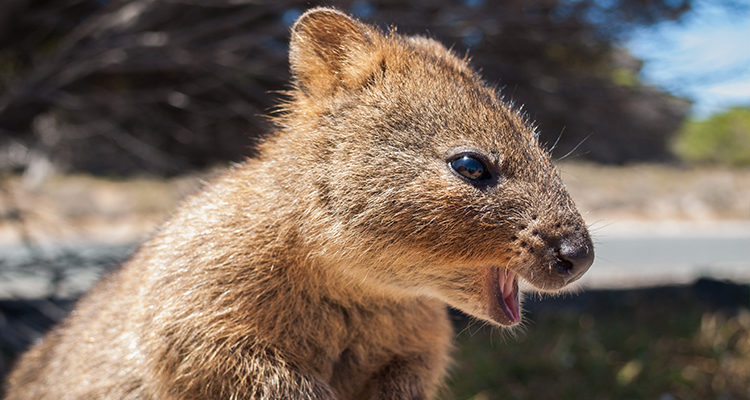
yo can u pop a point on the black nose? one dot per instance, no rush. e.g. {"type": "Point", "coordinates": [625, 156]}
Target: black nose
{"type": "Point", "coordinates": [574, 257]}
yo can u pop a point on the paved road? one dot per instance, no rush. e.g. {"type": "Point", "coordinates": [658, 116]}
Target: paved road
{"type": "Point", "coordinates": [649, 254]}
{"type": "Point", "coordinates": [629, 255]}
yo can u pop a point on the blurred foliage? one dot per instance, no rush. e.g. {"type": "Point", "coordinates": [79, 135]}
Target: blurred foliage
{"type": "Point", "coordinates": [662, 343]}
{"type": "Point", "coordinates": [722, 139]}
{"type": "Point", "coordinates": [118, 86]}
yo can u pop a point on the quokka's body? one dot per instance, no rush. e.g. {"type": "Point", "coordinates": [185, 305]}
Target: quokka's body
{"type": "Point", "coordinates": [397, 182]}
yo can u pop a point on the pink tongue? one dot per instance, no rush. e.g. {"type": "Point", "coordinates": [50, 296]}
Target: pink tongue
{"type": "Point", "coordinates": [510, 295]}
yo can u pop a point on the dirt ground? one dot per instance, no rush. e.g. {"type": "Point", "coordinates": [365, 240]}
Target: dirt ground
{"type": "Point", "coordinates": [658, 192]}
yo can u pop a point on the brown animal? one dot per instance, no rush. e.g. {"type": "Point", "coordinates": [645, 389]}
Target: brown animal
{"type": "Point", "coordinates": [397, 182]}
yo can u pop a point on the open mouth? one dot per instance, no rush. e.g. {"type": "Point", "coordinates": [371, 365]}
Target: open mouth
{"type": "Point", "coordinates": [504, 286]}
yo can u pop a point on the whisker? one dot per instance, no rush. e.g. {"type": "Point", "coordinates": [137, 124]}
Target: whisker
{"type": "Point", "coordinates": [554, 145]}
{"type": "Point", "coordinates": [575, 148]}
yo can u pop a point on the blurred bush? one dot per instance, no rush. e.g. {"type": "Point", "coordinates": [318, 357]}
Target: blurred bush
{"type": "Point", "coordinates": [119, 86]}
{"type": "Point", "coordinates": [722, 139]}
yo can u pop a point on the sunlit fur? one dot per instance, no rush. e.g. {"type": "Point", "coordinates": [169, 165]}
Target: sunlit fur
{"type": "Point", "coordinates": [321, 268]}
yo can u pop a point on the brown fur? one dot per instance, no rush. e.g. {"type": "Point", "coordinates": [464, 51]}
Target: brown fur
{"type": "Point", "coordinates": [321, 268]}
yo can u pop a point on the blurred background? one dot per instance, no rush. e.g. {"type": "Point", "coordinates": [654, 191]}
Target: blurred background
{"type": "Point", "coordinates": [112, 111]}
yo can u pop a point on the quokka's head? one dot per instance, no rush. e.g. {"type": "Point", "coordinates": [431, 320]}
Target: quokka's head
{"type": "Point", "coordinates": [425, 181]}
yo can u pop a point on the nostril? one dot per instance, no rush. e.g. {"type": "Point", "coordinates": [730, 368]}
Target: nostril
{"type": "Point", "coordinates": [563, 266]}
{"type": "Point", "coordinates": [573, 259]}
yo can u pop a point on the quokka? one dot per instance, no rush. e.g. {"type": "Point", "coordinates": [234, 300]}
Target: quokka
{"type": "Point", "coordinates": [396, 182]}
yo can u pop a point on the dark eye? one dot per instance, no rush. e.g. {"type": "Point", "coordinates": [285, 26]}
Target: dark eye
{"type": "Point", "coordinates": [471, 168]}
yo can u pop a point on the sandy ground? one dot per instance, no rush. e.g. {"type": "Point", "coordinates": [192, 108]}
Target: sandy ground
{"type": "Point", "coordinates": [658, 193]}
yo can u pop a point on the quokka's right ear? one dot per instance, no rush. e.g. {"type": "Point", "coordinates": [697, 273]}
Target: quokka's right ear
{"type": "Point", "coordinates": [325, 47]}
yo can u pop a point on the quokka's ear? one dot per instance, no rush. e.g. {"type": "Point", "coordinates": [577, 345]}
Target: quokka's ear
{"type": "Point", "coordinates": [324, 46]}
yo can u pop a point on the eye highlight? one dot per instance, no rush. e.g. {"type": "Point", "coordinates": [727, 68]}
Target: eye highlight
{"type": "Point", "coordinates": [471, 167]}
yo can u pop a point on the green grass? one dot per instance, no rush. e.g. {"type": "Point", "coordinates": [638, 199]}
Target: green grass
{"type": "Point", "coordinates": [664, 343]}
{"type": "Point", "coordinates": [721, 139]}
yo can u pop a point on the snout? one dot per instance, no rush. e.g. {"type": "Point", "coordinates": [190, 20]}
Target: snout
{"type": "Point", "coordinates": [551, 257]}
{"type": "Point", "coordinates": [547, 262]}
{"type": "Point", "coordinates": [574, 255]}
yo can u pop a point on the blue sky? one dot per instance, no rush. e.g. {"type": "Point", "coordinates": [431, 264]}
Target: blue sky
{"type": "Point", "coordinates": [705, 56]}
